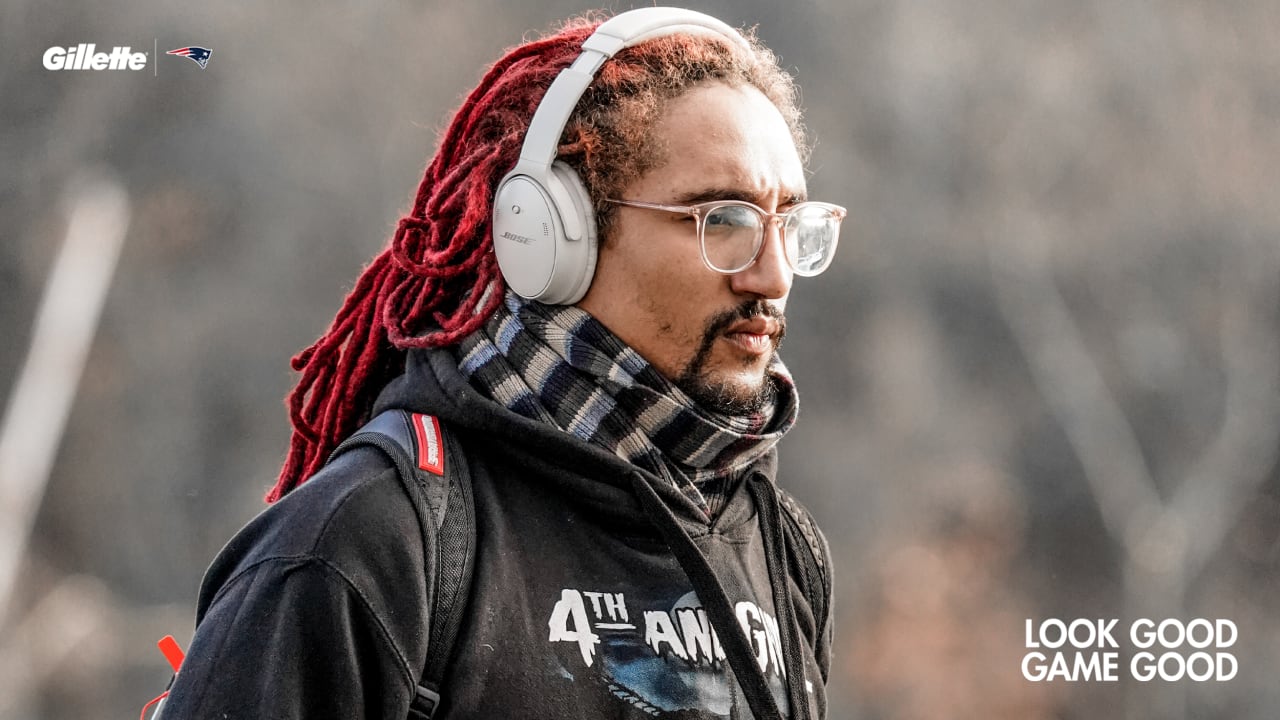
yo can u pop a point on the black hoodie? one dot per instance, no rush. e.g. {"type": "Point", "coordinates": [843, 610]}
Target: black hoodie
{"type": "Point", "coordinates": [579, 606]}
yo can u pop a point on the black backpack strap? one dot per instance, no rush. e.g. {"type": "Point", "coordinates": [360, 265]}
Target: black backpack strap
{"type": "Point", "coordinates": [433, 469]}
{"type": "Point", "coordinates": [813, 556]}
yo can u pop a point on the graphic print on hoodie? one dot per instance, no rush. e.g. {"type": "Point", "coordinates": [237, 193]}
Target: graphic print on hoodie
{"type": "Point", "coordinates": [661, 661]}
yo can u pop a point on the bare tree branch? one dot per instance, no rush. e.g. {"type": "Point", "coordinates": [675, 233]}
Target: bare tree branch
{"type": "Point", "coordinates": [1069, 379]}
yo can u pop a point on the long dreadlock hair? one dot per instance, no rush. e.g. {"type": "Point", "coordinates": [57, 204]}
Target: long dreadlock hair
{"type": "Point", "coordinates": [438, 281]}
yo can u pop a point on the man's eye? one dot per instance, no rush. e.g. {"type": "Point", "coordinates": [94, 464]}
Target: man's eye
{"type": "Point", "coordinates": [731, 217]}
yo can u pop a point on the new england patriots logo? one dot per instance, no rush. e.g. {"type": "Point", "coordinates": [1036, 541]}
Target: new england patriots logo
{"type": "Point", "coordinates": [197, 55]}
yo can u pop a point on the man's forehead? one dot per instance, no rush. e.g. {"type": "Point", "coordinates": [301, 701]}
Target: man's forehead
{"type": "Point", "coordinates": [727, 143]}
{"type": "Point", "coordinates": [691, 180]}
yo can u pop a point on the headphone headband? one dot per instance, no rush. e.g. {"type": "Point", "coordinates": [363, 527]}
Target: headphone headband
{"type": "Point", "coordinates": [622, 31]}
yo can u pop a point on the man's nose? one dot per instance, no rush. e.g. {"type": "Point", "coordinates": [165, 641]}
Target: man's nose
{"type": "Point", "coordinates": [770, 275]}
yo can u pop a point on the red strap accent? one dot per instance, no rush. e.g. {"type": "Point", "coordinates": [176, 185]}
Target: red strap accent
{"type": "Point", "coordinates": [172, 651]}
{"type": "Point", "coordinates": [162, 696]}
{"type": "Point", "coordinates": [430, 443]}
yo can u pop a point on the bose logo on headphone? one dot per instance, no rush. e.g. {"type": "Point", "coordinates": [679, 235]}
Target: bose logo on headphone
{"type": "Point", "coordinates": [544, 199]}
{"type": "Point", "coordinates": [518, 238]}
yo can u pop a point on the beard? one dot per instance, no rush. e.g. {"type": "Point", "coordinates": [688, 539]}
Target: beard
{"type": "Point", "coordinates": [720, 395]}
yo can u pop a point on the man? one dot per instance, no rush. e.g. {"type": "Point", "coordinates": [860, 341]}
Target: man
{"type": "Point", "coordinates": [617, 424]}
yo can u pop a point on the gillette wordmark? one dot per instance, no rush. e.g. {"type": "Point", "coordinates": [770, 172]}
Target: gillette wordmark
{"type": "Point", "coordinates": [85, 57]}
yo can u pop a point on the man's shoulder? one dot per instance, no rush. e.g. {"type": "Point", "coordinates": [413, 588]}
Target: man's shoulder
{"type": "Point", "coordinates": [354, 516]}
{"type": "Point", "coordinates": [343, 554]}
{"type": "Point", "coordinates": [361, 506]}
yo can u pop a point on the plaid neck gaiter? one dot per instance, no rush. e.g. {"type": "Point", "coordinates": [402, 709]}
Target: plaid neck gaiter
{"type": "Point", "coordinates": [559, 365]}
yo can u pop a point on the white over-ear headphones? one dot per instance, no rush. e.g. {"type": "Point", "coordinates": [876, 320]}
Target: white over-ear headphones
{"type": "Point", "coordinates": [544, 229]}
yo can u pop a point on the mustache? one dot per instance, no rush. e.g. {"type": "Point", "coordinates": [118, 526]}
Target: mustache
{"type": "Point", "coordinates": [748, 310]}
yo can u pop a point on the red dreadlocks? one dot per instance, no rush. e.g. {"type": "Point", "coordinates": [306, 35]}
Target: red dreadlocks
{"type": "Point", "coordinates": [438, 279]}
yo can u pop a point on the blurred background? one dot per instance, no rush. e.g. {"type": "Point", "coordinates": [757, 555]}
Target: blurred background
{"type": "Point", "coordinates": [1040, 380]}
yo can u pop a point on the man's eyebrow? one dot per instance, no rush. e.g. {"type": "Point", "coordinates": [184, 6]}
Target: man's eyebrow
{"type": "Point", "coordinates": [710, 194]}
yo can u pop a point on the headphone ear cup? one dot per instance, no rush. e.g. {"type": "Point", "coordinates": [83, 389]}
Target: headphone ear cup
{"type": "Point", "coordinates": [523, 237]}
{"type": "Point", "coordinates": [577, 248]}
{"type": "Point", "coordinates": [544, 234]}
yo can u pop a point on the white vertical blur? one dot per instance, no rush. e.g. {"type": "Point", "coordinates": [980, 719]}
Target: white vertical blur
{"type": "Point", "coordinates": [65, 322]}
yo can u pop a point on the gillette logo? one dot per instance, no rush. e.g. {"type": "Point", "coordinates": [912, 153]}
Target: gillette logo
{"type": "Point", "coordinates": [83, 57]}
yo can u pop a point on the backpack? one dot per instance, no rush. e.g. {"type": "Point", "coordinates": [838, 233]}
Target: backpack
{"type": "Point", "coordinates": [433, 469]}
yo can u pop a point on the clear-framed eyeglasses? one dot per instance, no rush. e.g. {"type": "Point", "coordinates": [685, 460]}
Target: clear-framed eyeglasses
{"type": "Point", "coordinates": [731, 232]}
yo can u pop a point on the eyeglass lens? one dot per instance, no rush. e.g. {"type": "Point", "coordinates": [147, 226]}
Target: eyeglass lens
{"type": "Point", "coordinates": [732, 235]}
